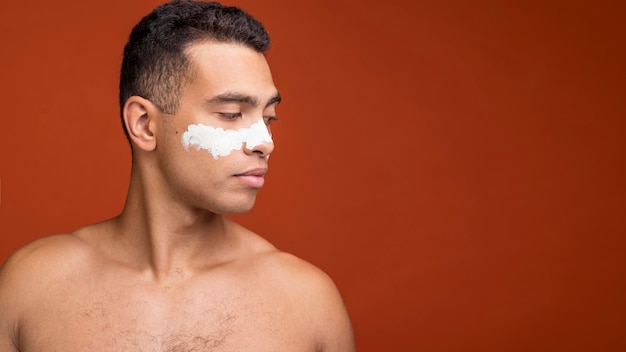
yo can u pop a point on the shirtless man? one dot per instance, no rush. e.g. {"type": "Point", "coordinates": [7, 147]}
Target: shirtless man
{"type": "Point", "coordinates": [171, 273]}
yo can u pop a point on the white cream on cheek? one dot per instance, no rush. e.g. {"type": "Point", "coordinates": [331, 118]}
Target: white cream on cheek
{"type": "Point", "coordinates": [220, 142]}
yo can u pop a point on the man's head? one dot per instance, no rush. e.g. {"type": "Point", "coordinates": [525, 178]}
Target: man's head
{"type": "Point", "coordinates": [197, 98]}
{"type": "Point", "coordinates": [156, 65]}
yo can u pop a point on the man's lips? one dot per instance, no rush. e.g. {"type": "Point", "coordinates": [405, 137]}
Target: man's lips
{"type": "Point", "coordinates": [254, 172]}
{"type": "Point", "coordinates": [253, 178]}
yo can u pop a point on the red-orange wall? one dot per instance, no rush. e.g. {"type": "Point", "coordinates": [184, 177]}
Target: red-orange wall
{"type": "Point", "coordinates": [457, 167]}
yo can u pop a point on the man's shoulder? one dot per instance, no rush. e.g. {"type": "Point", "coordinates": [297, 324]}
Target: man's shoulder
{"type": "Point", "coordinates": [292, 270]}
{"type": "Point", "coordinates": [307, 291]}
{"type": "Point", "coordinates": [54, 247]}
{"type": "Point", "coordinates": [27, 274]}
{"type": "Point", "coordinates": [40, 261]}
{"type": "Point", "coordinates": [265, 261]}
{"type": "Point", "coordinates": [297, 279]}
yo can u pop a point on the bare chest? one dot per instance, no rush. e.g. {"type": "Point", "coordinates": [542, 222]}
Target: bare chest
{"type": "Point", "coordinates": [223, 318]}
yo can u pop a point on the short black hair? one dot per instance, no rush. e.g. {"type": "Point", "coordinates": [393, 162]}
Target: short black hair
{"type": "Point", "coordinates": [155, 65]}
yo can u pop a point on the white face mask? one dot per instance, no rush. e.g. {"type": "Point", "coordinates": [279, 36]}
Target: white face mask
{"type": "Point", "coordinates": [220, 142]}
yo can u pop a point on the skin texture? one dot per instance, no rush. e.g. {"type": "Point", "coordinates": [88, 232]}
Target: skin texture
{"type": "Point", "coordinates": [171, 273]}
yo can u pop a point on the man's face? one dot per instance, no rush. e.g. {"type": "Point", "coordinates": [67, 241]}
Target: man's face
{"type": "Point", "coordinates": [213, 152]}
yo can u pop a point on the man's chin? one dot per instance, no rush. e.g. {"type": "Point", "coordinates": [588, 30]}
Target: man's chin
{"type": "Point", "coordinates": [237, 209]}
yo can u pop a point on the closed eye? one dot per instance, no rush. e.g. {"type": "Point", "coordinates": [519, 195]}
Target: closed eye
{"type": "Point", "coordinates": [269, 119]}
{"type": "Point", "coordinates": [230, 115]}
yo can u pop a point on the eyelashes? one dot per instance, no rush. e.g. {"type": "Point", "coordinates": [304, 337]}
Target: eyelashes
{"type": "Point", "coordinates": [232, 116]}
{"type": "Point", "coordinates": [269, 119]}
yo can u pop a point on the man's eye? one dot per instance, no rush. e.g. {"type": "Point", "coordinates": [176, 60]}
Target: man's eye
{"type": "Point", "coordinates": [228, 115]}
{"type": "Point", "coordinates": [269, 119]}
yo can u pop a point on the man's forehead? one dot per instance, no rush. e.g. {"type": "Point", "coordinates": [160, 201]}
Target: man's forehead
{"type": "Point", "coordinates": [222, 68]}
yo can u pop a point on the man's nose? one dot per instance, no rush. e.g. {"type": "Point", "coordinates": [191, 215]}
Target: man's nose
{"type": "Point", "coordinates": [263, 144]}
{"type": "Point", "coordinates": [264, 149]}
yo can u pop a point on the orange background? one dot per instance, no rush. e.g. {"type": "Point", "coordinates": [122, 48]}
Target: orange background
{"type": "Point", "coordinates": [457, 167]}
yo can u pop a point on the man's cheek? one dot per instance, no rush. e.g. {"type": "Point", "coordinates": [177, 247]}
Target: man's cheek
{"type": "Point", "coordinates": [219, 142]}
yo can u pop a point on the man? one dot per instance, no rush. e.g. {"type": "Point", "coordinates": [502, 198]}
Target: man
{"type": "Point", "coordinates": [171, 273]}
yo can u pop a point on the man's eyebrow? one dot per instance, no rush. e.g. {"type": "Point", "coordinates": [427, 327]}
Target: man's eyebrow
{"type": "Point", "coordinates": [274, 100]}
{"type": "Point", "coordinates": [234, 98]}
{"type": "Point", "coordinates": [242, 98]}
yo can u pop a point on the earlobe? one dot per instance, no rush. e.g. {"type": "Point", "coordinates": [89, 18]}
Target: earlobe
{"type": "Point", "coordinates": [138, 117]}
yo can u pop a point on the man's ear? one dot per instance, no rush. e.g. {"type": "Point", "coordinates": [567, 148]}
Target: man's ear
{"type": "Point", "coordinates": [140, 119]}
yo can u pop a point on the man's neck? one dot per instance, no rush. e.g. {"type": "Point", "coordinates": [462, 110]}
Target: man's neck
{"type": "Point", "coordinates": [167, 237]}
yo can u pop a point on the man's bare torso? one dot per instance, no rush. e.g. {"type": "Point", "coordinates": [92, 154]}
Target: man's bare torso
{"type": "Point", "coordinates": [82, 298]}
